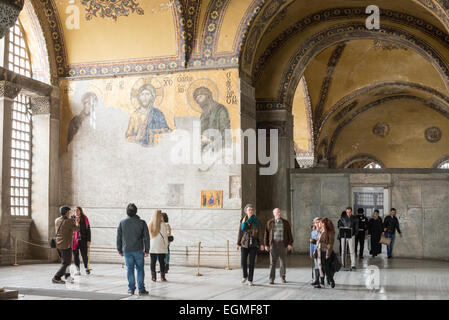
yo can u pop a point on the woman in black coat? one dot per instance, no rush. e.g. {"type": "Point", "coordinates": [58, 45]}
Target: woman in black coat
{"type": "Point", "coordinates": [375, 230]}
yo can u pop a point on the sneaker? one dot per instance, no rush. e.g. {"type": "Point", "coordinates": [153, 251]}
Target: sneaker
{"type": "Point", "coordinates": [244, 280]}
{"type": "Point", "coordinates": [353, 268]}
{"type": "Point", "coordinates": [58, 281]}
{"type": "Point", "coordinates": [131, 293]}
{"type": "Point", "coordinates": [69, 279]}
{"type": "Point", "coordinates": [271, 281]}
{"type": "Point", "coordinates": [144, 293]}
{"type": "Point", "coordinates": [87, 271]}
{"type": "Point", "coordinates": [250, 283]}
{"type": "Point", "coordinates": [283, 280]}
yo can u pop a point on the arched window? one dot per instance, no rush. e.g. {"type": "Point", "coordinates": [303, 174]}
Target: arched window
{"type": "Point", "coordinates": [363, 161]}
{"type": "Point", "coordinates": [16, 59]}
{"type": "Point", "coordinates": [373, 165]}
{"type": "Point", "coordinates": [444, 165]}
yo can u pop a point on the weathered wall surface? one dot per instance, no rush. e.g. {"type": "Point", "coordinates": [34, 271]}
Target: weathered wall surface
{"type": "Point", "coordinates": [421, 198]}
{"type": "Point", "coordinates": [107, 162]}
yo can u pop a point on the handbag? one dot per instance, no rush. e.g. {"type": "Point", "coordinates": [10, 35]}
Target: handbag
{"type": "Point", "coordinates": [53, 240]}
{"type": "Point", "coordinates": [385, 240]}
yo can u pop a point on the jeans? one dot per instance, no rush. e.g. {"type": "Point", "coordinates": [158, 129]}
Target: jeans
{"type": "Point", "coordinates": [277, 252]}
{"type": "Point", "coordinates": [76, 255]}
{"type": "Point", "coordinates": [66, 260]}
{"type": "Point", "coordinates": [390, 247]}
{"type": "Point", "coordinates": [251, 252]}
{"type": "Point", "coordinates": [351, 245]}
{"type": "Point", "coordinates": [135, 259]}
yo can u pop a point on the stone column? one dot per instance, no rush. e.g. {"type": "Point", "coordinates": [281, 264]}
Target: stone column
{"type": "Point", "coordinates": [45, 189]}
{"type": "Point", "coordinates": [248, 121]}
{"type": "Point", "coordinates": [8, 91]}
{"type": "Point", "coordinates": [273, 191]}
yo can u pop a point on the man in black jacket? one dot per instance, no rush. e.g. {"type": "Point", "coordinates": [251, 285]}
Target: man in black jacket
{"type": "Point", "coordinates": [133, 242]}
{"type": "Point", "coordinates": [360, 236]}
{"type": "Point", "coordinates": [391, 224]}
{"type": "Point", "coordinates": [348, 222]}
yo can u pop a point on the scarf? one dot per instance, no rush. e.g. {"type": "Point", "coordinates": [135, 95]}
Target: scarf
{"type": "Point", "coordinates": [77, 235]}
{"type": "Point", "coordinates": [252, 220]}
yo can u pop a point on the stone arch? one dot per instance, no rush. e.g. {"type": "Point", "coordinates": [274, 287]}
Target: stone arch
{"type": "Point", "coordinates": [350, 31]}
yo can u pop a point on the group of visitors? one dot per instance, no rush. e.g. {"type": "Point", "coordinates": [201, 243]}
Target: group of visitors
{"type": "Point", "coordinates": [73, 237]}
{"type": "Point", "coordinates": [353, 230]}
{"type": "Point", "coordinates": [277, 239]}
{"type": "Point", "coordinates": [136, 241]}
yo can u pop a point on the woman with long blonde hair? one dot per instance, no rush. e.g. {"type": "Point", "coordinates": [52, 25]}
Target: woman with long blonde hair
{"type": "Point", "coordinates": [158, 243]}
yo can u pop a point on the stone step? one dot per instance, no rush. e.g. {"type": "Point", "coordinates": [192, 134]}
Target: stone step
{"type": "Point", "coordinates": [9, 294]}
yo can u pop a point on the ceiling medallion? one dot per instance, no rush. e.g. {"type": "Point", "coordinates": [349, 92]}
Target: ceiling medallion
{"type": "Point", "coordinates": [381, 129]}
{"type": "Point", "coordinates": [111, 8]}
{"type": "Point", "coordinates": [433, 134]}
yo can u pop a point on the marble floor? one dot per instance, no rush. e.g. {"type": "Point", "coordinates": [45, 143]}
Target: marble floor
{"type": "Point", "coordinates": [375, 278]}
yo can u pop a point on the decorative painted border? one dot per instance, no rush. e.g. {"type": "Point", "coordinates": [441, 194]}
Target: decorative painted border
{"type": "Point", "coordinates": [344, 32]}
{"type": "Point", "coordinates": [341, 14]}
{"type": "Point", "coordinates": [327, 81]}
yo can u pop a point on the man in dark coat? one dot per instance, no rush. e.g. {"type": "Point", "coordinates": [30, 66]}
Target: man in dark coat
{"type": "Point", "coordinates": [375, 230]}
{"type": "Point", "coordinates": [391, 224]}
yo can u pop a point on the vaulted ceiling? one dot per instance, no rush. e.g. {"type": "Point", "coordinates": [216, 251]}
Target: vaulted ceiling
{"type": "Point", "coordinates": [345, 68]}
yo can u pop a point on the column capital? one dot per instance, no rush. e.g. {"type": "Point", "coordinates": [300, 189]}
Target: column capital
{"type": "Point", "coordinates": [9, 89]}
{"type": "Point", "coordinates": [40, 105]}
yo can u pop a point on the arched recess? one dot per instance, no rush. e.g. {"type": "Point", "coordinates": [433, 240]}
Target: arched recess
{"type": "Point", "coordinates": [350, 102]}
{"type": "Point", "coordinates": [389, 103]}
{"type": "Point", "coordinates": [258, 26]}
{"type": "Point", "coordinates": [47, 15]}
{"type": "Point", "coordinates": [37, 44]}
{"type": "Point", "coordinates": [345, 32]}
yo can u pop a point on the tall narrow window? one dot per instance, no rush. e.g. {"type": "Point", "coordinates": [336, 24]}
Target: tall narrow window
{"type": "Point", "coordinates": [18, 61]}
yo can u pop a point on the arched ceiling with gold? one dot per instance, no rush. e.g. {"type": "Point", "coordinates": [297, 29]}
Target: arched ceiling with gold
{"type": "Point", "coordinates": [275, 44]}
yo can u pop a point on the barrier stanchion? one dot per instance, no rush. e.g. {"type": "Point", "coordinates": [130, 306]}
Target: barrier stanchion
{"type": "Point", "coordinates": [15, 253]}
{"type": "Point", "coordinates": [228, 266]}
{"type": "Point", "coordinates": [199, 255]}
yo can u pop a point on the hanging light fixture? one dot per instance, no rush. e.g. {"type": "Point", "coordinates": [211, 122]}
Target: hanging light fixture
{"type": "Point", "coordinates": [9, 12]}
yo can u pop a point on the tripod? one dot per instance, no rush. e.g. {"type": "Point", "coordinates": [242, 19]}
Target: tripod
{"type": "Point", "coordinates": [345, 233]}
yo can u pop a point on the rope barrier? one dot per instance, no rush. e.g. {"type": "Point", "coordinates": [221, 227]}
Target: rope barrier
{"type": "Point", "coordinates": [228, 264]}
